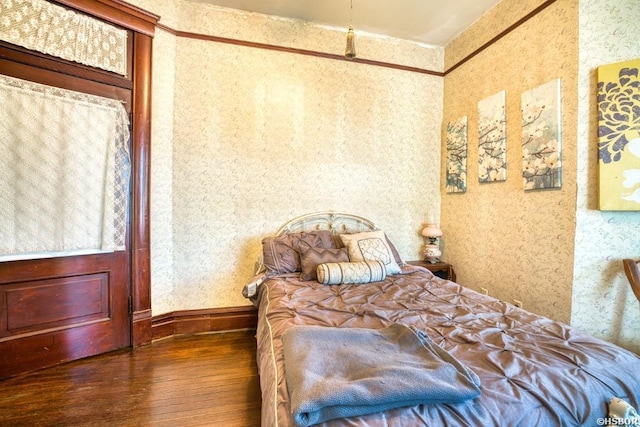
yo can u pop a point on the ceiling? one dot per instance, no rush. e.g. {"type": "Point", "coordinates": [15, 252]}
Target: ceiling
{"type": "Point", "coordinates": [432, 22]}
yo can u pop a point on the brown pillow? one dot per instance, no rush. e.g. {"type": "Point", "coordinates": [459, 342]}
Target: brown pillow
{"type": "Point", "coordinates": [281, 254]}
{"type": "Point", "coordinates": [313, 257]}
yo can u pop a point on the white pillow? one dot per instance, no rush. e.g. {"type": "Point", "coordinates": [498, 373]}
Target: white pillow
{"type": "Point", "coordinates": [370, 246]}
{"type": "Point", "coordinates": [337, 273]}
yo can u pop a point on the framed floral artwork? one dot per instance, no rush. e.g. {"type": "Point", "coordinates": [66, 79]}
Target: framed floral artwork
{"type": "Point", "coordinates": [492, 139]}
{"type": "Point", "coordinates": [619, 135]}
{"type": "Point", "coordinates": [541, 137]}
{"type": "Point", "coordinates": [457, 156]}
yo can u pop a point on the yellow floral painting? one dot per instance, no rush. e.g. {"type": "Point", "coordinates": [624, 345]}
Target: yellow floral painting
{"type": "Point", "coordinates": [619, 135]}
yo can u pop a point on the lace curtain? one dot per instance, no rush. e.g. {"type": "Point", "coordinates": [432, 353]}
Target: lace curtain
{"type": "Point", "coordinates": [64, 170]}
{"type": "Point", "coordinates": [48, 28]}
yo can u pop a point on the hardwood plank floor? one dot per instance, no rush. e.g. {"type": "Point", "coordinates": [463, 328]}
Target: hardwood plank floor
{"type": "Point", "coordinates": [194, 380]}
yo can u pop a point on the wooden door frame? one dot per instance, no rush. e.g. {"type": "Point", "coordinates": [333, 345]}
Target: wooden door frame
{"type": "Point", "coordinates": [142, 24]}
{"type": "Point", "coordinates": [140, 226]}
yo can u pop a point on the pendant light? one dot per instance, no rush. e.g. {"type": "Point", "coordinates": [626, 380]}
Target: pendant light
{"type": "Point", "coordinates": [350, 50]}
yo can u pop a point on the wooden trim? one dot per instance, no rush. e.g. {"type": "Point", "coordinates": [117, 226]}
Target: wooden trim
{"type": "Point", "coordinates": [198, 36]}
{"type": "Point", "coordinates": [325, 55]}
{"type": "Point", "coordinates": [140, 160]}
{"type": "Point", "coordinates": [304, 52]}
{"type": "Point", "coordinates": [117, 12]}
{"type": "Point", "coordinates": [204, 320]}
{"type": "Point", "coordinates": [49, 64]}
{"type": "Point", "coordinates": [518, 23]}
{"type": "Point", "coordinates": [141, 331]}
{"type": "Point", "coordinates": [26, 71]}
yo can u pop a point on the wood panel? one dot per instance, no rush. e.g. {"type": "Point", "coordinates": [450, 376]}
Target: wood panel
{"type": "Point", "coordinates": [62, 309]}
{"type": "Point", "coordinates": [54, 303]}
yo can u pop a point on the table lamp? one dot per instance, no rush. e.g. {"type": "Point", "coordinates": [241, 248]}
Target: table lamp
{"type": "Point", "coordinates": [432, 251]}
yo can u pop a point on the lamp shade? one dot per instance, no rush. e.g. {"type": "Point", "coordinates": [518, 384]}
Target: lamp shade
{"type": "Point", "coordinates": [431, 230]}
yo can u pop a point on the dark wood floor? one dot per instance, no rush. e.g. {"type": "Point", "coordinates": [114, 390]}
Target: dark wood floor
{"type": "Point", "coordinates": [196, 380]}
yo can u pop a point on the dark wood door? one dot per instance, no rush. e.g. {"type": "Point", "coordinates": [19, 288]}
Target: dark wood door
{"type": "Point", "coordinates": [60, 309]}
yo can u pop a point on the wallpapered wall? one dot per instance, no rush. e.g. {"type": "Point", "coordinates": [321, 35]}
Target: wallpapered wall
{"type": "Point", "coordinates": [245, 139]}
{"type": "Point", "coordinates": [603, 304]}
{"type": "Point", "coordinates": [551, 249]}
{"type": "Point", "coordinates": [231, 160]}
{"type": "Point", "coordinates": [516, 244]}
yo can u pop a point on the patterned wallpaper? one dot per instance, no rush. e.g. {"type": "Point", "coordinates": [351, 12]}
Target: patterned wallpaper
{"type": "Point", "coordinates": [222, 22]}
{"type": "Point", "coordinates": [603, 303]}
{"type": "Point", "coordinates": [162, 137]}
{"type": "Point", "coordinates": [516, 244]}
{"type": "Point", "coordinates": [245, 139]}
{"type": "Point", "coordinates": [553, 250]}
{"type": "Point", "coordinates": [497, 19]}
{"type": "Point", "coordinates": [241, 136]}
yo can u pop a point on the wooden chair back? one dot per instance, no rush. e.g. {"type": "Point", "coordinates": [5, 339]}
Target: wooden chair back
{"type": "Point", "coordinates": [632, 270]}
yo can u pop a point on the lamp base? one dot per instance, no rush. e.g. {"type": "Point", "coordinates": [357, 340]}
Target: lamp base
{"type": "Point", "coordinates": [432, 253]}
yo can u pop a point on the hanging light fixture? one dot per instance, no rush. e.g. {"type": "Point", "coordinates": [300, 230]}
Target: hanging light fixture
{"type": "Point", "coordinates": [350, 50]}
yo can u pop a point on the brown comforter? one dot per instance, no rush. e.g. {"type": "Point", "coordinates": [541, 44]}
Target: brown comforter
{"type": "Point", "coordinates": [534, 371]}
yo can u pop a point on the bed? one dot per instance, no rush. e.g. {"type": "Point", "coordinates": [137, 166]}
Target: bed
{"type": "Point", "coordinates": [532, 371]}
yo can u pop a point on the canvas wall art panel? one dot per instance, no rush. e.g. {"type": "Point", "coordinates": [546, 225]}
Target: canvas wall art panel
{"type": "Point", "coordinates": [492, 139]}
{"type": "Point", "coordinates": [542, 137]}
{"type": "Point", "coordinates": [457, 156]}
{"type": "Point", "coordinates": [619, 136]}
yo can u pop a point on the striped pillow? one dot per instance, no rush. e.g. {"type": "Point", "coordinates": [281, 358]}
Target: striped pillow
{"type": "Point", "coordinates": [313, 257]}
{"type": "Point", "coordinates": [336, 273]}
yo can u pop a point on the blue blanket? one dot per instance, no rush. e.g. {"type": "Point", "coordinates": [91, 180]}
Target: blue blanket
{"type": "Point", "coordinates": [344, 372]}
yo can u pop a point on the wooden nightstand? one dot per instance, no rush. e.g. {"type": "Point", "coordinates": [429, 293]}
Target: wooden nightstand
{"type": "Point", "coordinates": [440, 269]}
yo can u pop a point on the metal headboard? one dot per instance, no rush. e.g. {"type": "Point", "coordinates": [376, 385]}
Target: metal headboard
{"type": "Point", "coordinates": [336, 222]}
